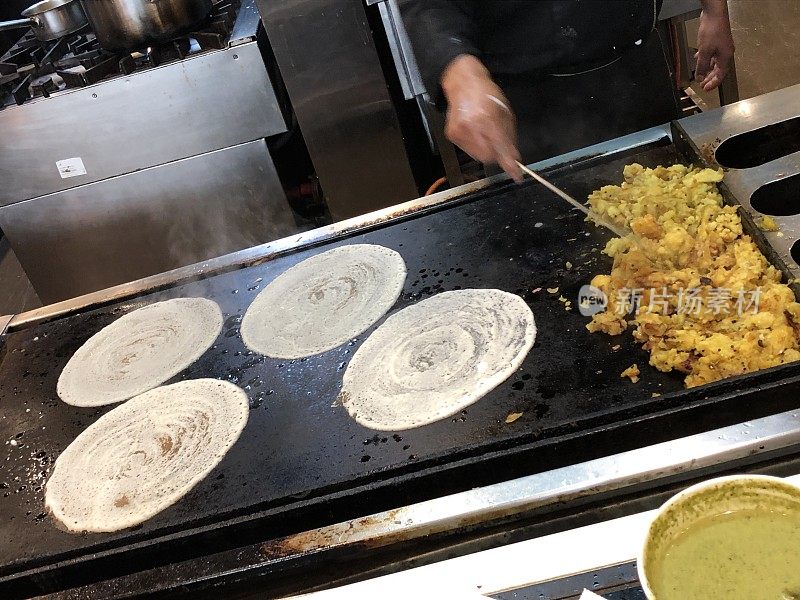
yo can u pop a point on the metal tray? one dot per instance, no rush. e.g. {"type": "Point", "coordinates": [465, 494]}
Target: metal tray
{"type": "Point", "coordinates": [301, 462]}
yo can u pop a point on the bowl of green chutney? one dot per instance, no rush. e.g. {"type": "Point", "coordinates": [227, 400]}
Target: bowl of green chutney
{"type": "Point", "coordinates": [728, 538]}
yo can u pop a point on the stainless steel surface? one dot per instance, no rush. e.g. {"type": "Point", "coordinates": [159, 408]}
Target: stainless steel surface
{"type": "Point", "coordinates": [685, 55]}
{"type": "Point", "coordinates": [246, 25]}
{"type": "Point", "coordinates": [266, 251]}
{"type": "Point", "coordinates": [207, 102]}
{"type": "Point", "coordinates": [397, 57]}
{"type": "Point", "coordinates": [50, 19]}
{"type": "Point", "coordinates": [130, 24]}
{"type": "Point", "coordinates": [729, 88]}
{"type": "Point", "coordinates": [619, 231]}
{"type": "Point", "coordinates": [641, 468]}
{"type": "Point", "coordinates": [128, 227]}
{"type": "Point", "coordinates": [45, 6]}
{"type": "Point", "coordinates": [400, 46]}
{"type": "Point", "coordinates": [708, 130]}
{"type": "Point", "coordinates": [16, 24]}
{"type": "Point", "coordinates": [434, 121]}
{"type": "Point", "coordinates": [16, 292]}
{"type": "Point", "coordinates": [329, 64]}
{"type": "Point", "coordinates": [746, 181]}
{"type": "Point", "coordinates": [56, 18]}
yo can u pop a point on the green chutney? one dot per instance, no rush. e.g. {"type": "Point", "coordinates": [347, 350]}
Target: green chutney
{"type": "Point", "coordinates": [741, 555]}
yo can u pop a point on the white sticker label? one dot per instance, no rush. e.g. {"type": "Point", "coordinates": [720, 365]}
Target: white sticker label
{"type": "Point", "coordinates": [71, 167]}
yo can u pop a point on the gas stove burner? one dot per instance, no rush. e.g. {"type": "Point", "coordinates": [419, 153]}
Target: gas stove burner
{"type": "Point", "coordinates": [80, 43]}
{"type": "Point", "coordinates": [44, 88]}
{"type": "Point", "coordinates": [34, 69]}
{"type": "Point", "coordinates": [96, 68]}
{"type": "Point", "coordinates": [57, 51]}
{"type": "Point", "coordinates": [154, 56]}
{"type": "Point", "coordinates": [21, 91]}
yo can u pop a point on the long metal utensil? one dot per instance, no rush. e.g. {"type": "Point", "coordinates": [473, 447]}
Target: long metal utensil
{"type": "Point", "coordinates": [620, 231]}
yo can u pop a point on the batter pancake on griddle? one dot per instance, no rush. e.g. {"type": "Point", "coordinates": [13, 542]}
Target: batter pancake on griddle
{"type": "Point", "coordinates": [140, 351]}
{"type": "Point", "coordinates": [145, 455]}
{"type": "Point", "coordinates": [435, 358]}
{"type": "Point", "coordinates": [324, 301]}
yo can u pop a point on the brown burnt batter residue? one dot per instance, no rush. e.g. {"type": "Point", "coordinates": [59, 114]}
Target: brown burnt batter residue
{"type": "Point", "coordinates": [122, 502]}
{"type": "Point", "coordinates": [708, 152]}
{"type": "Point", "coordinates": [166, 444]}
{"type": "Point", "coordinates": [343, 534]}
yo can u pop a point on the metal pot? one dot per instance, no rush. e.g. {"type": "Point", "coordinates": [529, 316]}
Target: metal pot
{"type": "Point", "coordinates": [122, 25]}
{"type": "Point", "coordinates": [50, 19]}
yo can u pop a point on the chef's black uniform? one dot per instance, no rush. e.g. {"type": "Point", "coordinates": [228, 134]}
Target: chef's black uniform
{"type": "Point", "coordinates": [576, 72]}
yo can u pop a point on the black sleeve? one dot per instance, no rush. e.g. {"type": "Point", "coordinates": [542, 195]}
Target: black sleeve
{"type": "Point", "coordinates": [440, 30]}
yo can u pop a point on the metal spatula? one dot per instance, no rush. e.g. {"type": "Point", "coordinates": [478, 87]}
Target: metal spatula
{"type": "Point", "coordinates": [619, 231]}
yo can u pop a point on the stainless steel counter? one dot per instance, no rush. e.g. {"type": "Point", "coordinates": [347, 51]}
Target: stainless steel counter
{"type": "Point", "coordinates": [710, 129]}
{"type": "Point", "coordinates": [124, 228]}
{"type": "Point", "coordinates": [207, 102]}
{"type": "Point", "coordinates": [144, 172]}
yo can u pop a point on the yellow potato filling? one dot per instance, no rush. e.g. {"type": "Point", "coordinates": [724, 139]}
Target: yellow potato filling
{"type": "Point", "coordinates": [700, 295]}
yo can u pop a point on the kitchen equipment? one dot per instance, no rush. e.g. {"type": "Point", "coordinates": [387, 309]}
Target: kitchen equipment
{"type": "Point", "coordinates": [329, 63]}
{"type": "Point", "coordinates": [133, 24]}
{"type": "Point", "coordinates": [302, 463]}
{"type": "Point", "coordinates": [50, 19]}
{"type": "Point", "coordinates": [619, 231]}
{"type": "Point", "coordinates": [207, 188]}
{"type": "Point", "coordinates": [757, 140]}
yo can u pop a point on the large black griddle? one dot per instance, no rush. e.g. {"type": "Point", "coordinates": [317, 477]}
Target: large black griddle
{"type": "Point", "coordinates": [301, 461]}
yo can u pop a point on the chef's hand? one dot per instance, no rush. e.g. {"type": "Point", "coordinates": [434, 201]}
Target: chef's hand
{"type": "Point", "coordinates": [479, 119]}
{"type": "Point", "coordinates": [714, 44]}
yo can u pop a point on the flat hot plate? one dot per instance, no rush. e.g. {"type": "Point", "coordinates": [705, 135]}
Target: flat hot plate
{"type": "Point", "coordinates": [301, 461]}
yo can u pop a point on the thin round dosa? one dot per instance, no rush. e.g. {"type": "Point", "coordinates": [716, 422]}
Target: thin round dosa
{"type": "Point", "coordinates": [140, 351]}
{"type": "Point", "coordinates": [435, 358]}
{"type": "Point", "coordinates": [324, 301]}
{"type": "Point", "coordinates": [145, 455]}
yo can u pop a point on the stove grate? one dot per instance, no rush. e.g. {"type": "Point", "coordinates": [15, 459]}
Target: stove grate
{"type": "Point", "coordinates": [34, 69]}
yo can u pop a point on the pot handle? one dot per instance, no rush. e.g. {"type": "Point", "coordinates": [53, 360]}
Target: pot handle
{"type": "Point", "coordinates": [17, 24]}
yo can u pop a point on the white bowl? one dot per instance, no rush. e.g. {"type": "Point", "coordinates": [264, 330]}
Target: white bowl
{"type": "Point", "coordinates": [707, 499]}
